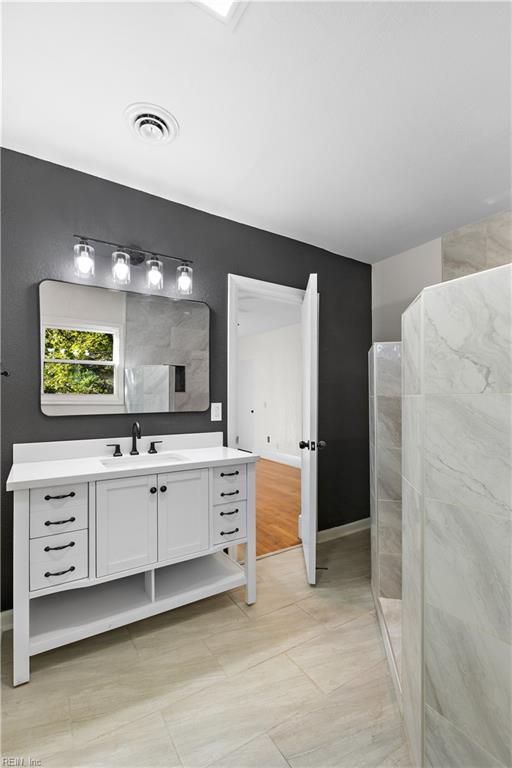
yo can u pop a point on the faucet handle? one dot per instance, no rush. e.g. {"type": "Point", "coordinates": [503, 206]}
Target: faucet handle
{"type": "Point", "coordinates": [152, 448]}
{"type": "Point", "coordinates": [117, 447]}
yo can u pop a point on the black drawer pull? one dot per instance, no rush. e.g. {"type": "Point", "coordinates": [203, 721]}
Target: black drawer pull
{"type": "Point", "coordinates": [233, 493]}
{"type": "Point", "coordinates": [229, 474]}
{"type": "Point", "coordinates": [60, 522]}
{"type": "Point", "coordinates": [59, 573]}
{"type": "Point", "coordinates": [163, 488]}
{"type": "Point", "coordinates": [63, 546]}
{"type": "Point", "coordinates": [62, 496]}
{"type": "Point", "coordinates": [228, 533]}
{"type": "Point", "coordinates": [229, 513]}
{"type": "Point", "coordinates": [153, 489]}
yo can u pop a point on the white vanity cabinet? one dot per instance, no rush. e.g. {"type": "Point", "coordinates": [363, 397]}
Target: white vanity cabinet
{"type": "Point", "coordinates": [126, 523]}
{"type": "Point", "coordinates": [100, 543]}
{"type": "Point", "coordinates": [183, 515]}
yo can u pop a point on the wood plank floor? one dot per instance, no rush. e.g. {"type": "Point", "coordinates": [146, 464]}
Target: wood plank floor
{"type": "Point", "coordinates": [277, 506]}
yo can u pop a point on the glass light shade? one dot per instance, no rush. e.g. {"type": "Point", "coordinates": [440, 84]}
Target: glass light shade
{"type": "Point", "coordinates": [121, 267]}
{"type": "Point", "coordinates": [84, 260]}
{"type": "Point", "coordinates": [184, 279]}
{"type": "Point", "coordinates": [154, 274]}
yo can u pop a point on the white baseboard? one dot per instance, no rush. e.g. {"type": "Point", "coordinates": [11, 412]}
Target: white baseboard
{"type": "Point", "coordinates": [281, 458]}
{"type": "Point", "coordinates": [5, 620]}
{"type": "Point", "coordinates": [343, 530]}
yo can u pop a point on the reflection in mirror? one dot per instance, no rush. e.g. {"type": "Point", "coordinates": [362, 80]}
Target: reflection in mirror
{"type": "Point", "coordinates": [105, 351]}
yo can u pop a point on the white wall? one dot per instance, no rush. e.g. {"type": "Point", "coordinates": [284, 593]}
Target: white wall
{"type": "Point", "coordinates": [270, 377]}
{"type": "Point", "coordinates": [396, 281]}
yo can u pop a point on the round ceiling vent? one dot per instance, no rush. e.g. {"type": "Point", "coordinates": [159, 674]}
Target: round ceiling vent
{"type": "Point", "coordinates": [152, 124]}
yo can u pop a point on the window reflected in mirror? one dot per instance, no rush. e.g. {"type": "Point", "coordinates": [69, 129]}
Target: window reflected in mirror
{"type": "Point", "coordinates": [107, 351]}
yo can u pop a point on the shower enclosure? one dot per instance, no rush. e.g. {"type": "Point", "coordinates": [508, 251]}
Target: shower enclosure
{"type": "Point", "coordinates": [385, 405]}
{"type": "Point", "coordinates": [457, 520]}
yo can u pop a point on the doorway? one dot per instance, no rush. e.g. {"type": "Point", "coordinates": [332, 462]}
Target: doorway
{"type": "Point", "coordinates": [272, 393]}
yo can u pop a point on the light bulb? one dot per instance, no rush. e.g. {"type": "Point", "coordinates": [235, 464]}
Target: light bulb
{"type": "Point", "coordinates": [154, 274]}
{"type": "Point", "coordinates": [84, 260]}
{"type": "Point", "coordinates": [121, 267]}
{"type": "Point", "coordinates": [184, 279]}
{"type": "Point", "coordinates": [154, 277]}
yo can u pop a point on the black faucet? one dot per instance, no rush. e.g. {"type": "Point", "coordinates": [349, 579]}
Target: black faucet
{"type": "Point", "coordinates": [136, 434]}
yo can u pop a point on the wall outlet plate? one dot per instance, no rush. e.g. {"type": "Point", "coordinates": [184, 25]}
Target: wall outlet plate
{"type": "Point", "coordinates": [216, 412]}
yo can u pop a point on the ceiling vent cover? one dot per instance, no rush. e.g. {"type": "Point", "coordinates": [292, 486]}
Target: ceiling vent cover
{"type": "Point", "coordinates": [152, 124]}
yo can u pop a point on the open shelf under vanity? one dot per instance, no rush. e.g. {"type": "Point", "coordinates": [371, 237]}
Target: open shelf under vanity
{"type": "Point", "coordinates": [65, 617]}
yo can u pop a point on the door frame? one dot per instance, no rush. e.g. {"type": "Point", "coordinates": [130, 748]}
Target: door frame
{"type": "Point", "coordinates": [258, 289]}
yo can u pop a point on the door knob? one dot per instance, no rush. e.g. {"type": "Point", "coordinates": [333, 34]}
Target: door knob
{"type": "Point", "coordinates": [321, 444]}
{"type": "Point", "coordinates": [304, 444]}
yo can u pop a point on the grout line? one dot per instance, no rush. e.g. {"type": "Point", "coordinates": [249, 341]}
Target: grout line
{"type": "Point", "coordinates": [168, 730]}
{"type": "Point", "coordinates": [279, 750]}
{"type": "Point", "coordinates": [232, 751]}
{"type": "Point", "coordinates": [303, 671]}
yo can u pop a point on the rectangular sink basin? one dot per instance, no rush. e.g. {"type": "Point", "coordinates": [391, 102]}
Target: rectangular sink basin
{"type": "Point", "coordinates": [142, 460]}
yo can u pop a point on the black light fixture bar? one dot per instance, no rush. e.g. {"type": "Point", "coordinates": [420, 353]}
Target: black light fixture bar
{"type": "Point", "coordinates": [130, 249]}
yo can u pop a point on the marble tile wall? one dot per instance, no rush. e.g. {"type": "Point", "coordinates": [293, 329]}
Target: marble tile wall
{"type": "Point", "coordinates": [385, 468]}
{"type": "Point", "coordinates": [457, 492]}
{"type": "Point", "coordinates": [475, 247]}
{"type": "Point", "coordinates": [161, 333]}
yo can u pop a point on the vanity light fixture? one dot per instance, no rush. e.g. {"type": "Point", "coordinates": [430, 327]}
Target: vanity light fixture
{"type": "Point", "coordinates": [121, 267]}
{"type": "Point", "coordinates": [125, 257]}
{"type": "Point", "coordinates": [184, 279]}
{"type": "Point", "coordinates": [154, 273]}
{"type": "Point", "coordinates": [84, 260]}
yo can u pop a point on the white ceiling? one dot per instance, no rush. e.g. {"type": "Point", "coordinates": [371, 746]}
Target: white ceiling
{"type": "Point", "coordinates": [259, 315]}
{"type": "Point", "coordinates": [364, 128]}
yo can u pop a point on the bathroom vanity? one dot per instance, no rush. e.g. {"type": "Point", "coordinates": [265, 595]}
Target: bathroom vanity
{"type": "Point", "coordinates": [101, 541]}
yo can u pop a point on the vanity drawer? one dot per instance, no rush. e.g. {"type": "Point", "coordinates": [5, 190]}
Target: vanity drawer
{"type": "Point", "coordinates": [65, 554]}
{"type": "Point", "coordinates": [229, 484]}
{"type": "Point", "coordinates": [229, 522]}
{"type": "Point", "coordinates": [58, 509]}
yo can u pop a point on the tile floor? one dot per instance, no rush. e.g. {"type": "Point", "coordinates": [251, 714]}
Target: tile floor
{"type": "Point", "coordinates": [299, 679]}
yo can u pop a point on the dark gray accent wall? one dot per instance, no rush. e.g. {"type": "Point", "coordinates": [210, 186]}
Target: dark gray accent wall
{"type": "Point", "coordinates": [44, 204]}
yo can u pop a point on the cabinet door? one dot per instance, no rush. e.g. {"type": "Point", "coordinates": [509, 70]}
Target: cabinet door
{"type": "Point", "coordinates": [183, 526]}
{"type": "Point", "coordinates": [126, 523]}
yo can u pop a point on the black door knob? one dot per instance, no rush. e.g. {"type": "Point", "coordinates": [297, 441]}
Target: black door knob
{"type": "Point", "coordinates": [321, 444]}
{"type": "Point", "coordinates": [304, 444]}
{"type": "Point", "coordinates": [163, 488]}
{"type": "Point", "coordinates": [153, 489]}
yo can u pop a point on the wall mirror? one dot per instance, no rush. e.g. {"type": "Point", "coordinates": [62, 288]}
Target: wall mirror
{"type": "Point", "coordinates": [107, 351]}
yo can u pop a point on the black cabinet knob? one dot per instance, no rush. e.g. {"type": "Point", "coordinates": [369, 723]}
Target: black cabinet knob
{"type": "Point", "coordinates": [153, 489]}
{"type": "Point", "coordinates": [163, 488]}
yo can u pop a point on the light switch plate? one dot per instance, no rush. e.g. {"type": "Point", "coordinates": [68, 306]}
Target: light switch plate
{"type": "Point", "coordinates": [216, 412]}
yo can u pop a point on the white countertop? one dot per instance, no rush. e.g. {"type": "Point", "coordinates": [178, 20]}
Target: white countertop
{"type": "Point", "coordinates": [37, 474]}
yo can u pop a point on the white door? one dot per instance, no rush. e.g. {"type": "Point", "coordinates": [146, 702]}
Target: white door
{"type": "Point", "coordinates": [246, 405]}
{"type": "Point", "coordinates": [183, 516]}
{"type": "Point", "coordinates": [126, 523]}
{"type": "Point", "coordinates": [308, 519]}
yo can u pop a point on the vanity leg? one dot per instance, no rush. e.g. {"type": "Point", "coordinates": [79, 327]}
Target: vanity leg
{"type": "Point", "coordinates": [250, 547]}
{"type": "Point", "coordinates": [21, 621]}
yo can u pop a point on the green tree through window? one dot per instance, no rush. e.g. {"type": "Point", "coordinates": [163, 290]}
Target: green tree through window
{"type": "Point", "coordinates": [78, 362]}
